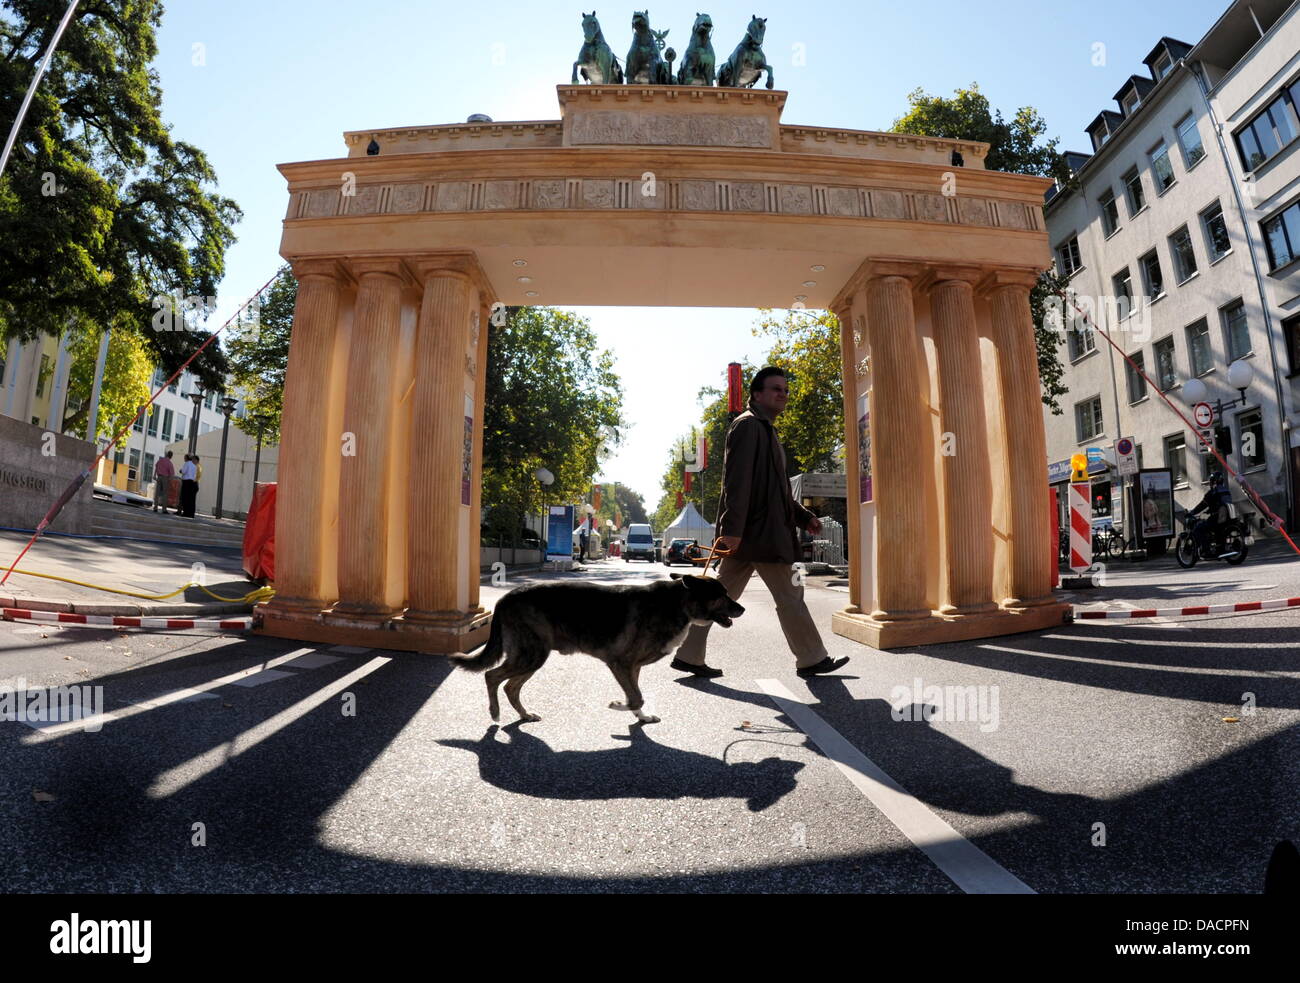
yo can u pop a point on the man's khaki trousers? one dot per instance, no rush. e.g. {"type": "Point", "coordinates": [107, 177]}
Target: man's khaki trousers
{"type": "Point", "coordinates": [797, 623]}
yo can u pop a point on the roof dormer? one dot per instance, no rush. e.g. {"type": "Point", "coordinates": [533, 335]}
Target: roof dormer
{"type": "Point", "coordinates": [1132, 92]}
{"type": "Point", "coordinates": [1164, 56]}
{"type": "Point", "coordinates": [1102, 127]}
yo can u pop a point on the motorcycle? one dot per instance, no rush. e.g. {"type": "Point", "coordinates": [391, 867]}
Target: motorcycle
{"type": "Point", "coordinates": [1229, 543]}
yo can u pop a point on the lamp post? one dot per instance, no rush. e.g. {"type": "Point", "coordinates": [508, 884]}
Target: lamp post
{"type": "Point", "coordinates": [261, 421]}
{"type": "Point", "coordinates": [197, 398]}
{"type": "Point", "coordinates": [227, 406]}
{"type": "Point", "coordinates": [1196, 393]}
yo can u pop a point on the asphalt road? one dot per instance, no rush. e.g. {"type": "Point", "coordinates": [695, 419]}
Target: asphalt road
{"type": "Point", "coordinates": [1092, 734]}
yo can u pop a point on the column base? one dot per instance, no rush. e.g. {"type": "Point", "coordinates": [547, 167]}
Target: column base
{"type": "Point", "coordinates": [390, 633]}
{"type": "Point", "coordinates": [1015, 603]}
{"type": "Point", "coordinates": [295, 605]}
{"type": "Point", "coordinates": [939, 628]}
{"type": "Point", "coordinates": [346, 614]}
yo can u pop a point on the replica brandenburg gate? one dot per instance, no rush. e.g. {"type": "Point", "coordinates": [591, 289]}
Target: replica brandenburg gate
{"type": "Point", "coordinates": [673, 196]}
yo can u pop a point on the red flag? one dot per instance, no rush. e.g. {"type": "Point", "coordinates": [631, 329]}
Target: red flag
{"type": "Point", "coordinates": [688, 482]}
{"type": "Point", "coordinates": [735, 398]}
{"type": "Point", "coordinates": [680, 501]}
{"type": "Point", "coordinates": [595, 497]}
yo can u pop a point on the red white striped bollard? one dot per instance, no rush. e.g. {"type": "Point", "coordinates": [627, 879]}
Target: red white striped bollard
{"type": "Point", "coordinates": [1080, 516]}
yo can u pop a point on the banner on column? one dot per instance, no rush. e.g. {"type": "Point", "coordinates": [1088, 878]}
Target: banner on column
{"type": "Point", "coordinates": [864, 448]}
{"type": "Point", "coordinates": [467, 452]}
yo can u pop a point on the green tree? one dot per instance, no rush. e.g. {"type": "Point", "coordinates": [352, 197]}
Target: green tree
{"type": "Point", "coordinates": [1014, 147]}
{"type": "Point", "coordinates": [1049, 334]}
{"type": "Point", "coordinates": [806, 344]}
{"type": "Point", "coordinates": [706, 485]}
{"type": "Point", "coordinates": [101, 211]}
{"type": "Point", "coordinates": [552, 400]}
{"type": "Point", "coordinates": [128, 372]}
{"type": "Point", "coordinates": [258, 349]}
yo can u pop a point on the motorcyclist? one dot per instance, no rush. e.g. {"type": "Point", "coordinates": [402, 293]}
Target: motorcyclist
{"type": "Point", "coordinates": [1215, 505]}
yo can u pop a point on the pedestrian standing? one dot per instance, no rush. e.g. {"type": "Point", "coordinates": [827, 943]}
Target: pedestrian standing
{"type": "Point", "coordinates": [584, 538]}
{"type": "Point", "coordinates": [189, 486]}
{"type": "Point", "coordinates": [163, 474]}
{"type": "Point", "coordinates": [757, 519]}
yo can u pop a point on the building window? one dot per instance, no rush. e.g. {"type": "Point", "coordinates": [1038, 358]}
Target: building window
{"type": "Point", "coordinates": [1133, 192]}
{"type": "Point", "coordinates": [1067, 257]}
{"type": "Point", "coordinates": [1164, 64]}
{"type": "Point", "coordinates": [138, 425]}
{"type": "Point", "coordinates": [1109, 212]}
{"type": "Point", "coordinates": [1137, 383]}
{"type": "Point", "coordinates": [153, 421]}
{"type": "Point", "coordinates": [167, 425]}
{"type": "Point", "coordinates": [1161, 170]}
{"type": "Point", "coordinates": [148, 467]}
{"type": "Point", "coordinates": [1152, 278]}
{"type": "Point", "coordinates": [1282, 236]}
{"type": "Point", "coordinates": [1180, 247]}
{"type": "Point", "coordinates": [1266, 134]}
{"type": "Point", "coordinates": [1189, 138]}
{"type": "Point", "coordinates": [1166, 377]}
{"type": "Point", "coordinates": [1131, 102]}
{"type": "Point", "coordinates": [1198, 347]}
{"type": "Point", "coordinates": [175, 383]}
{"type": "Point", "coordinates": [159, 377]}
{"type": "Point", "coordinates": [135, 461]}
{"type": "Point", "coordinates": [181, 432]}
{"type": "Point", "coordinates": [1123, 284]}
{"type": "Point", "coordinates": [1250, 439]}
{"type": "Point", "coordinates": [1081, 342]}
{"type": "Point", "coordinates": [1176, 458]}
{"type": "Point", "coordinates": [1291, 332]}
{"type": "Point", "coordinates": [208, 400]}
{"type": "Point", "coordinates": [1236, 332]}
{"type": "Point", "coordinates": [119, 456]}
{"type": "Point", "coordinates": [1088, 419]}
{"type": "Point", "coordinates": [42, 375]}
{"type": "Point", "coordinates": [1216, 232]}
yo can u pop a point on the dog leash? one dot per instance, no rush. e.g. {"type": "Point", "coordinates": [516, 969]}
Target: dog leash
{"type": "Point", "coordinates": [713, 551]}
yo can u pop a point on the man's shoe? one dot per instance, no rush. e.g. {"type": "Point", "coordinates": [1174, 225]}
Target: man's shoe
{"type": "Point", "coordinates": [826, 665]}
{"type": "Point", "coordinates": [708, 672]}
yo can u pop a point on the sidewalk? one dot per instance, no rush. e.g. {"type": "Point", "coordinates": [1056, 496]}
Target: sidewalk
{"type": "Point", "coordinates": [143, 568]}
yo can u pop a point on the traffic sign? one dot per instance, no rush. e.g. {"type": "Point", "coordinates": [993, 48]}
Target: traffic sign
{"type": "Point", "coordinates": [1126, 457]}
{"type": "Point", "coordinates": [1207, 439]}
{"type": "Point", "coordinates": [1203, 414]}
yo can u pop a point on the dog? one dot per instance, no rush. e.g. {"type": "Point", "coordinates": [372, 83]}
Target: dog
{"type": "Point", "coordinates": [625, 627]}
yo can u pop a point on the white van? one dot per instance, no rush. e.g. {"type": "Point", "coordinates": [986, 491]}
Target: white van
{"type": "Point", "coordinates": [640, 542]}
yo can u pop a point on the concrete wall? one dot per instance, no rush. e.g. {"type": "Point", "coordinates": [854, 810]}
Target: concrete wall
{"type": "Point", "coordinates": [31, 480]}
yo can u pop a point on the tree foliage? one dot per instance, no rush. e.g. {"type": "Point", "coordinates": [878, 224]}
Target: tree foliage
{"type": "Point", "coordinates": [1014, 147]}
{"type": "Point", "coordinates": [128, 372]}
{"type": "Point", "coordinates": [1048, 337]}
{"type": "Point", "coordinates": [101, 211]}
{"type": "Point", "coordinates": [617, 501]}
{"type": "Point", "coordinates": [258, 348]}
{"type": "Point", "coordinates": [552, 401]}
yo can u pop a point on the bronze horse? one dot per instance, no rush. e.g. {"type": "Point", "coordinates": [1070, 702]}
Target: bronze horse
{"type": "Point", "coordinates": [644, 64]}
{"type": "Point", "coordinates": [698, 64]}
{"type": "Point", "coordinates": [596, 60]}
{"type": "Point", "coordinates": [747, 62]}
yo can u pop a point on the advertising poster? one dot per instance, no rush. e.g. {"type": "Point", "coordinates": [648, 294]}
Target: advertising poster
{"type": "Point", "coordinates": [559, 531]}
{"type": "Point", "coordinates": [864, 450]}
{"type": "Point", "coordinates": [1156, 490]}
{"type": "Point", "coordinates": [467, 452]}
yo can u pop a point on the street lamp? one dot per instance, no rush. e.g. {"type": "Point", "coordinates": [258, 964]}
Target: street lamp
{"type": "Point", "coordinates": [197, 398]}
{"type": "Point", "coordinates": [227, 406]}
{"type": "Point", "coordinates": [1240, 374]}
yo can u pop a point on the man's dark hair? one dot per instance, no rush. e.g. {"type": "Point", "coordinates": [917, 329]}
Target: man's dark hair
{"type": "Point", "coordinates": [761, 377]}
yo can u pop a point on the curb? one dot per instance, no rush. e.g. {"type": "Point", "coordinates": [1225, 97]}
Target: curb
{"type": "Point", "coordinates": [114, 609]}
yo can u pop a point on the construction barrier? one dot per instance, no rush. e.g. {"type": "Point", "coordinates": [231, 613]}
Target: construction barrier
{"type": "Point", "coordinates": [123, 621]}
{"type": "Point", "coordinates": [1188, 612]}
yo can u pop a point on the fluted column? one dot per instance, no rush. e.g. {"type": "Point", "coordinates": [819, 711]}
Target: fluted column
{"type": "Point", "coordinates": [306, 441]}
{"type": "Point", "coordinates": [897, 424]}
{"type": "Point", "coordinates": [476, 490]}
{"type": "Point", "coordinates": [437, 444]}
{"type": "Point", "coordinates": [852, 529]}
{"type": "Point", "coordinates": [1025, 447]}
{"type": "Point", "coordinates": [367, 443]}
{"type": "Point", "coordinates": [966, 498]}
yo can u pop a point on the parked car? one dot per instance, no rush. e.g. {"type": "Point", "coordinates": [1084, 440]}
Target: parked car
{"type": "Point", "coordinates": [640, 542]}
{"type": "Point", "coordinates": [677, 552]}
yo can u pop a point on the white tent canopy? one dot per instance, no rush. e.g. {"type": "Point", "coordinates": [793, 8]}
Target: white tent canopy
{"type": "Point", "coordinates": [689, 524]}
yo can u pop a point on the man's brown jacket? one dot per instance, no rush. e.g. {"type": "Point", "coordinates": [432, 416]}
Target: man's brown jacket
{"type": "Point", "coordinates": [756, 503]}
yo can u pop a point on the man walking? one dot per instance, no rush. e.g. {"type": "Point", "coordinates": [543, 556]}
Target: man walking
{"type": "Point", "coordinates": [162, 482]}
{"type": "Point", "coordinates": [757, 517]}
{"type": "Point", "coordinates": [584, 539]}
{"type": "Point", "coordinates": [189, 486]}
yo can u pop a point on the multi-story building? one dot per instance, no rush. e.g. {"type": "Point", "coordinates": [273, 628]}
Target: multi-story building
{"type": "Point", "coordinates": [34, 377]}
{"type": "Point", "coordinates": [1164, 233]}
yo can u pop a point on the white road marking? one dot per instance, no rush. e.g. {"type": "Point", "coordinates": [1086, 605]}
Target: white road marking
{"type": "Point", "coordinates": [259, 678]}
{"type": "Point", "coordinates": [313, 660]}
{"type": "Point", "coordinates": [187, 773]}
{"type": "Point", "coordinates": [969, 867]}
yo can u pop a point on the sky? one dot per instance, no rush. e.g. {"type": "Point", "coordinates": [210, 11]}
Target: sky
{"type": "Point", "coordinates": [256, 84]}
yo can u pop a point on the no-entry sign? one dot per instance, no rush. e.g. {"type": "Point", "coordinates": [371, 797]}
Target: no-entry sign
{"type": "Point", "coordinates": [1203, 414]}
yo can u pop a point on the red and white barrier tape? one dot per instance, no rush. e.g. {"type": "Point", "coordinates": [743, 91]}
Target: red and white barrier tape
{"type": "Point", "coordinates": [1188, 612]}
{"type": "Point", "coordinates": [122, 621]}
